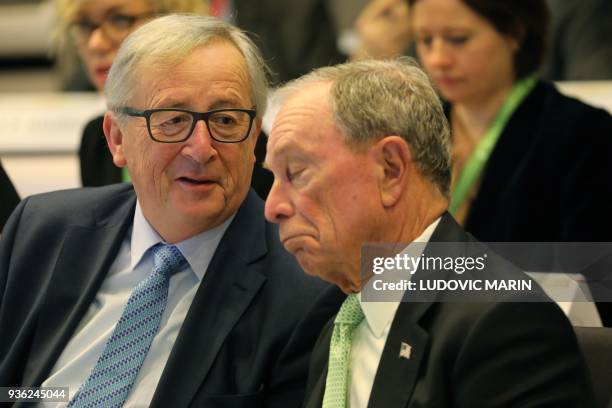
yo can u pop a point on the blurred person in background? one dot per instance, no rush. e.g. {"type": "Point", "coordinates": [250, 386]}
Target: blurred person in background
{"type": "Point", "coordinates": [579, 36]}
{"type": "Point", "coordinates": [295, 36]}
{"type": "Point", "coordinates": [529, 164]}
{"type": "Point", "coordinates": [95, 29]}
{"type": "Point", "coordinates": [580, 47]}
{"type": "Point", "coordinates": [383, 30]}
{"type": "Point", "coordinates": [8, 197]}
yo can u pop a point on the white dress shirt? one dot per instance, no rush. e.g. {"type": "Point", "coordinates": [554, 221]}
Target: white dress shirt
{"type": "Point", "coordinates": [369, 341]}
{"type": "Point", "coordinates": [134, 263]}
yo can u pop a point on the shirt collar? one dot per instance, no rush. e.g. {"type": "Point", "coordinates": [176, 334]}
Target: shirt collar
{"type": "Point", "coordinates": [378, 315]}
{"type": "Point", "coordinates": [197, 250]}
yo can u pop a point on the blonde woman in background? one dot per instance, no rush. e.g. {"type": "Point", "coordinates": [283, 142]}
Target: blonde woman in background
{"type": "Point", "coordinates": [92, 31]}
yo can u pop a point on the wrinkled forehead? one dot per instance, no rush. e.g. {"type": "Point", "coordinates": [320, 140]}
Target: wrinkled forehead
{"type": "Point", "coordinates": [215, 75]}
{"type": "Point", "coordinates": [304, 122]}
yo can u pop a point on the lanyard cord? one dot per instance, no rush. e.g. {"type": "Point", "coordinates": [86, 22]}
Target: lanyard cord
{"type": "Point", "coordinates": [479, 157]}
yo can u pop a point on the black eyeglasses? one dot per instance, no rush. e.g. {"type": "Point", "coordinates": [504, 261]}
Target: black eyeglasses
{"type": "Point", "coordinates": [176, 125]}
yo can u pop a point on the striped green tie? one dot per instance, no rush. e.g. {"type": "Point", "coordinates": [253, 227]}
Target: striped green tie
{"type": "Point", "coordinates": [349, 316]}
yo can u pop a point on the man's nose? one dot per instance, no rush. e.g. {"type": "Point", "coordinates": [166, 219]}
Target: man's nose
{"type": "Point", "coordinates": [278, 206]}
{"type": "Point", "coordinates": [199, 146]}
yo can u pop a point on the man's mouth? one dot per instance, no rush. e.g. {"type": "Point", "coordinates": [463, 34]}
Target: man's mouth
{"type": "Point", "coordinates": [195, 182]}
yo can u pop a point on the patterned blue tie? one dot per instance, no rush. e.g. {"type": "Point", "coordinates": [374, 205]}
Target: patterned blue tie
{"type": "Point", "coordinates": [111, 380]}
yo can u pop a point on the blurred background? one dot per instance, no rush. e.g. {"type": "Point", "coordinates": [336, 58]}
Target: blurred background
{"type": "Point", "coordinates": [49, 108]}
{"type": "Point", "coordinates": [45, 105]}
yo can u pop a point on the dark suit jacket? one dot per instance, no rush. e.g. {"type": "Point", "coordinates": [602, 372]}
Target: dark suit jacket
{"type": "Point", "coordinates": [478, 354]}
{"type": "Point", "coordinates": [245, 341]}
{"type": "Point", "coordinates": [98, 169]}
{"type": "Point", "coordinates": [294, 36]}
{"type": "Point", "coordinates": [8, 197]}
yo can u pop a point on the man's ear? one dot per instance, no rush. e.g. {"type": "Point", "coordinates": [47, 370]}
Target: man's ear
{"type": "Point", "coordinates": [114, 138]}
{"type": "Point", "coordinates": [394, 161]}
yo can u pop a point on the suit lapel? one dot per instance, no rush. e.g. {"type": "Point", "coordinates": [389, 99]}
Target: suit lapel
{"type": "Point", "coordinates": [317, 374]}
{"type": "Point", "coordinates": [229, 286]}
{"type": "Point", "coordinates": [84, 259]}
{"type": "Point", "coordinates": [397, 375]}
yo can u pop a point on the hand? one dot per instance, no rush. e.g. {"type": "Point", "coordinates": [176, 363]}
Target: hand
{"type": "Point", "coordinates": [383, 28]}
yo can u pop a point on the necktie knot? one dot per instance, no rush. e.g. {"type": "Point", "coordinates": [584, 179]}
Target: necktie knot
{"type": "Point", "coordinates": [167, 258]}
{"type": "Point", "coordinates": [113, 376]}
{"type": "Point", "coordinates": [350, 312]}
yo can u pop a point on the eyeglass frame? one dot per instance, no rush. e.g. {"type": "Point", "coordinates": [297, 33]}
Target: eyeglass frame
{"type": "Point", "coordinates": [79, 37]}
{"type": "Point", "coordinates": [197, 116]}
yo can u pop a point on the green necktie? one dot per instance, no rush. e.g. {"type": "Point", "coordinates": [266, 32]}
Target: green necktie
{"type": "Point", "coordinates": [349, 317]}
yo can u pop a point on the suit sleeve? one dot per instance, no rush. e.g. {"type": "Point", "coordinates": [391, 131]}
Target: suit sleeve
{"type": "Point", "coordinates": [8, 326]}
{"type": "Point", "coordinates": [521, 355]}
{"type": "Point", "coordinates": [7, 240]}
{"type": "Point", "coordinates": [587, 190]}
{"type": "Point", "coordinates": [8, 197]}
{"type": "Point", "coordinates": [289, 382]}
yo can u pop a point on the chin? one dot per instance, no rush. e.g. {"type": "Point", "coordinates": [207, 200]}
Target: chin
{"type": "Point", "coordinates": [335, 277]}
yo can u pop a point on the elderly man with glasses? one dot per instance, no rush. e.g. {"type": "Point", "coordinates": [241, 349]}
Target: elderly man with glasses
{"type": "Point", "coordinates": [173, 291]}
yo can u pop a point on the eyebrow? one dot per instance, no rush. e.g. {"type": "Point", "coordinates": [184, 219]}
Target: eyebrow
{"type": "Point", "coordinates": [169, 103]}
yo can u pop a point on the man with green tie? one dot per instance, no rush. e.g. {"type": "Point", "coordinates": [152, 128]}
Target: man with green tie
{"type": "Point", "coordinates": [360, 154]}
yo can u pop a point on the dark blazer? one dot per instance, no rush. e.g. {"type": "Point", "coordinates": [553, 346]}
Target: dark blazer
{"type": "Point", "coordinates": [548, 177]}
{"type": "Point", "coordinates": [8, 197]}
{"type": "Point", "coordinates": [98, 169]}
{"type": "Point", "coordinates": [478, 354]}
{"type": "Point", "coordinates": [245, 341]}
{"type": "Point", "coordinates": [95, 159]}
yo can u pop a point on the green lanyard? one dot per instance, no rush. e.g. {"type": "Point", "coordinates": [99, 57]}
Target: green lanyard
{"type": "Point", "coordinates": [481, 153]}
{"type": "Point", "coordinates": [125, 175]}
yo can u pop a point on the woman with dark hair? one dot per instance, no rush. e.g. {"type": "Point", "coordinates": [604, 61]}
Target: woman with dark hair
{"type": "Point", "coordinates": [530, 164]}
{"type": "Point", "coordinates": [8, 197]}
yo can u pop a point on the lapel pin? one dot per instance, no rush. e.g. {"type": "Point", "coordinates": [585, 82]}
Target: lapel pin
{"type": "Point", "coordinates": [405, 350]}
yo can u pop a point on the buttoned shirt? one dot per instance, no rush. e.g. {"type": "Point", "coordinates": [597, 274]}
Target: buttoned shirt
{"type": "Point", "coordinates": [134, 263]}
{"type": "Point", "coordinates": [369, 340]}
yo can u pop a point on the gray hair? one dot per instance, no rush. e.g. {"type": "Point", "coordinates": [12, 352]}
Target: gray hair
{"type": "Point", "coordinates": [167, 41]}
{"type": "Point", "coordinates": [374, 98]}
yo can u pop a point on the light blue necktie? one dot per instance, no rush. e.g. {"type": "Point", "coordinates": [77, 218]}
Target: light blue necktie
{"type": "Point", "coordinates": [111, 380]}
